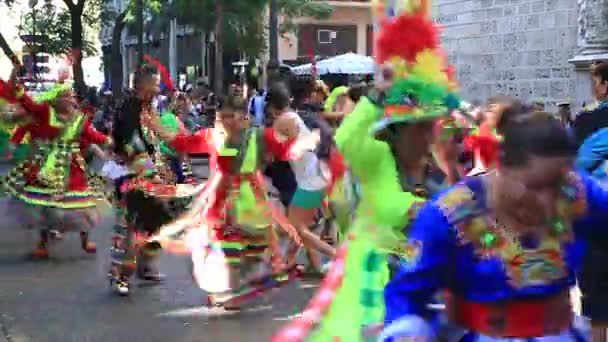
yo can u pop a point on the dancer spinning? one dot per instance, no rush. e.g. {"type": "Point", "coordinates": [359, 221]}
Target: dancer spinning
{"type": "Point", "coordinates": [504, 246]}
{"type": "Point", "coordinates": [233, 218]}
{"type": "Point", "coordinates": [51, 188]}
{"type": "Point", "coordinates": [141, 211]}
{"type": "Point", "coordinates": [390, 165]}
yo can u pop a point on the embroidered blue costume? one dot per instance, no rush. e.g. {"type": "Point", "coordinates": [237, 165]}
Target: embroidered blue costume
{"type": "Point", "coordinates": [498, 287]}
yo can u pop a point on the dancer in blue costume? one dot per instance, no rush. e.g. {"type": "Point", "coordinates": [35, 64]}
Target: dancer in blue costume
{"type": "Point", "coordinates": [504, 246]}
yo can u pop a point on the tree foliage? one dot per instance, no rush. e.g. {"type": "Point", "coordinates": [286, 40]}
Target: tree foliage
{"type": "Point", "coordinates": [54, 24]}
{"type": "Point", "coordinates": [245, 22]}
{"type": "Point", "coordinates": [291, 9]}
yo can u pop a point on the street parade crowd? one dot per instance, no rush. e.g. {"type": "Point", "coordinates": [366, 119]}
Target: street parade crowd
{"type": "Point", "coordinates": [453, 222]}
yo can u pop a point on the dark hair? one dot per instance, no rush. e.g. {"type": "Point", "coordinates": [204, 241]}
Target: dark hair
{"type": "Point", "coordinates": [279, 96]}
{"type": "Point", "coordinates": [143, 73]}
{"type": "Point", "coordinates": [600, 70]}
{"type": "Point", "coordinates": [355, 92]}
{"type": "Point", "coordinates": [538, 134]}
{"type": "Point", "coordinates": [234, 104]}
{"type": "Point", "coordinates": [127, 122]}
{"type": "Point", "coordinates": [512, 108]}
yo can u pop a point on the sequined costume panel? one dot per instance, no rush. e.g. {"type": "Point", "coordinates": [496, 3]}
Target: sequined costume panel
{"type": "Point", "coordinates": [53, 183]}
{"type": "Point", "coordinates": [456, 248]}
{"type": "Point", "coordinates": [231, 236]}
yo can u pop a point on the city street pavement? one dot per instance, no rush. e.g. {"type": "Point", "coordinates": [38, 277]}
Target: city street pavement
{"type": "Point", "coordinates": [66, 299]}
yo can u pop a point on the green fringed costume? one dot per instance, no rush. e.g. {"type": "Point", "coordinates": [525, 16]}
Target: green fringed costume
{"type": "Point", "coordinates": [384, 210]}
{"type": "Point", "coordinates": [349, 306]}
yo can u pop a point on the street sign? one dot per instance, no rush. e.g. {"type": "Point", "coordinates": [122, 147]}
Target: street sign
{"type": "Point", "coordinates": [32, 48]}
{"type": "Point", "coordinates": [28, 59]}
{"type": "Point", "coordinates": [31, 38]}
{"type": "Point", "coordinates": [43, 69]}
{"type": "Point", "coordinates": [41, 59]}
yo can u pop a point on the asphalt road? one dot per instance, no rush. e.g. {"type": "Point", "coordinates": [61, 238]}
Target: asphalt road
{"type": "Point", "coordinates": [67, 299]}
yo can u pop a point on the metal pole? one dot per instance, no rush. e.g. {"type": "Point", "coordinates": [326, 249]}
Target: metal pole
{"type": "Point", "coordinates": [140, 31]}
{"type": "Point", "coordinates": [274, 32]}
{"type": "Point", "coordinates": [173, 50]}
{"type": "Point", "coordinates": [34, 40]}
{"type": "Point", "coordinates": [204, 56]}
{"type": "Point", "coordinates": [219, 47]}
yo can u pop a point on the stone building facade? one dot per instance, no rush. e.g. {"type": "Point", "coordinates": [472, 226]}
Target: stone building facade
{"type": "Point", "coordinates": [512, 47]}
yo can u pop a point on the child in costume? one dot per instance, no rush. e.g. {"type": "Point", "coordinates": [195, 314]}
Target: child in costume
{"type": "Point", "coordinates": [484, 141]}
{"type": "Point", "coordinates": [144, 195]}
{"type": "Point", "coordinates": [386, 141]}
{"type": "Point", "coordinates": [230, 225]}
{"type": "Point", "coordinates": [51, 188]}
{"type": "Point", "coordinates": [503, 246]}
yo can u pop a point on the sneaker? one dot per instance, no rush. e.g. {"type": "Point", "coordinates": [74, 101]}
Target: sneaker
{"type": "Point", "coordinates": [89, 247]}
{"type": "Point", "coordinates": [120, 287]}
{"type": "Point", "coordinates": [312, 272]}
{"type": "Point", "coordinates": [40, 253]}
{"type": "Point", "coordinates": [55, 235]}
{"type": "Point", "coordinates": [149, 275]}
{"type": "Point", "coordinates": [326, 267]}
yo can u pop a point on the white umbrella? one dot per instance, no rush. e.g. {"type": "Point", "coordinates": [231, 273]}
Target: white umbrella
{"type": "Point", "coordinates": [349, 63]}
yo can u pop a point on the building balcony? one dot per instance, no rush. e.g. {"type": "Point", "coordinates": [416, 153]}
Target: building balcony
{"type": "Point", "coordinates": [350, 3]}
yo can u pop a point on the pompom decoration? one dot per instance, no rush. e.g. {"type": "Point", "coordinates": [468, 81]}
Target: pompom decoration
{"type": "Point", "coordinates": [406, 36]}
{"type": "Point", "coordinates": [425, 93]}
{"type": "Point", "coordinates": [429, 67]}
{"type": "Point", "coordinates": [452, 101]}
{"type": "Point", "coordinates": [486, 142]}
{"type": "Point", "coordinates": [50, 95]}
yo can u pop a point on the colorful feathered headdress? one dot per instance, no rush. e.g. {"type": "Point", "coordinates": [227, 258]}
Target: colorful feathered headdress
{"type": "Point", "coordinates": [408, 40]}
{"type": "Point", "coordinates": [52, 94]}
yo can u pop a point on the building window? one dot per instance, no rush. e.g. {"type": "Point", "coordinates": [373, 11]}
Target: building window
{"type": "Point", "coordinates": [326, 40]}
{"type": "Point", "coordinates": [370, 40]}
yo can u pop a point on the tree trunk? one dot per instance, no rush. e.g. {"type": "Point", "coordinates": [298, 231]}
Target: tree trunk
{"type": "Point", "coordinates": [7, 50]}
{"type": "Point", "coordinates": [273, 36]}
{"type": "Point", "coordinates": [116, 63]}
{"type": "Point", "coordinates": [76, 11]}
{"type": "Point", "coordinates": [139, 8]}
{"type": "Point", "coordinates": [219, 47]}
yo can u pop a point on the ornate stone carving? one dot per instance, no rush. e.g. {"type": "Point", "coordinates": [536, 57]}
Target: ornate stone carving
{"type": "Point", "coordinates": [582, 24]}
{"type": "Point", "coordinates": [593, 25]}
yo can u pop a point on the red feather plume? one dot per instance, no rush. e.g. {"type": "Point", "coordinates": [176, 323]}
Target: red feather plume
{"type": "Point", "coordinates": [406, 36]}
{"type": "Point", "coordinates": [164, 74]}
{"type": "Point", "coordinates": [487, 144]}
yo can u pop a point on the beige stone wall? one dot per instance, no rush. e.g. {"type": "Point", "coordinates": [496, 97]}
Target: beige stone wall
{"type": "Point", "coordinates": [360, 16]}
{"type": "Point", "coordinates": [511, 47]}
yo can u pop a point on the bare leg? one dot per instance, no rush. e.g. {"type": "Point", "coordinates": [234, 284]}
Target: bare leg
{"type": "Point", "coordinates": [88, 246]}
{"type": "Point", "coordinates": [302, 218]}
{"type": "Point", "coordinates": [123, 259]}
{"type": "Point", "coordinates": [599, 334]}
{"type": "Point", "coordinates": [42, 248]}
{"type": "Point", "coordinates": [147, 259]}
{"type": "Point", "coordinates": [275, 251]}
{"type": "Point", "coordinates": [599, 331]}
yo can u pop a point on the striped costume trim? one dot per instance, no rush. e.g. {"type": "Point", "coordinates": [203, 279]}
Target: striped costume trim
{"type": "Point", "coordinates": [261, 285]}
{"type": "Point", "coordinates": [299, 328]}
{"type": "Point", "coordinates": [43, 197]}
{"type": "Point", "coordinates": [236, 245]}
